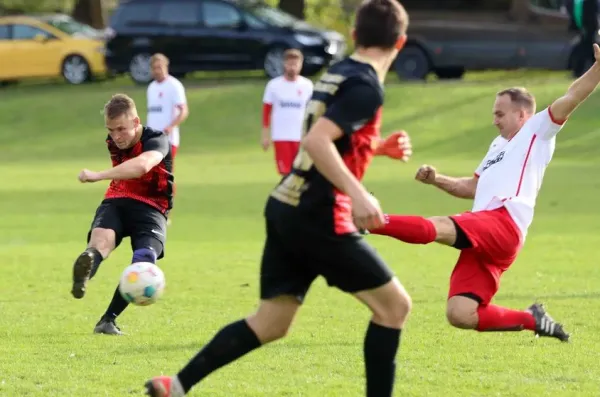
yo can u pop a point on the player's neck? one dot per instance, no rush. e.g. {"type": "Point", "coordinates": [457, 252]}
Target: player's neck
{"type": "Point", "coordinates": [138, 135]}
{"type": "Point", "coordinates": [380, 60]}
{"type": "Point", "coordinates": [292, 77]}
{"type": "Point", "coordinates": [163, 79]}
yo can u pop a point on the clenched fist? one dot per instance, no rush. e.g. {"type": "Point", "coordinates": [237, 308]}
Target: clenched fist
{"type": "Point", "coordinates": [88, 176]}
{"type": "Point", "coordinates": [426, 174]}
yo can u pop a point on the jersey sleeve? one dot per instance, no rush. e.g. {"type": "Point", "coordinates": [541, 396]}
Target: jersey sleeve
{"type": "Point", "coordinates": [355, 106]}
{"type": "Point", "coordinates": [545, 125]}
{"type": "Point", "coordinates": [179, 94]}
{"type": "Point", "coordinates": [158, 142]}
{"type": "Point", "coordinates": [268, 95]}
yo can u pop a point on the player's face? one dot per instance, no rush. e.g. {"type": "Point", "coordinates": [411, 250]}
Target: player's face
{"type": "Point", "coordinates": [292, 67]}
{"type": "Point", "coordinates": [508, 117]}
{"type": "Point", "coordinates": [159, 70]}
{"type": "Point", "coordinates": [123, 129]}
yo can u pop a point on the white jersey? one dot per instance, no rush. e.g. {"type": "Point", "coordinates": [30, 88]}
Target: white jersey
{"type": "Point", "coordinates": [289, 100]}
{"type": "Point", "coordinates": [164, 99]}
{"type": "Point", "coordinates": [512, 171]}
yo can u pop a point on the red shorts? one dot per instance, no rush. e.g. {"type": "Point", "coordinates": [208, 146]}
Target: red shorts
{"type": "Point", "coordinates": [285, 152]}
{"type": "Point", "coordinates": [496, 241]}
{"type": "Point", "coordinates": [173, 151]}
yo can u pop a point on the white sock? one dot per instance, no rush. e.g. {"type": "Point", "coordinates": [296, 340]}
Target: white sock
{"type": "Point", "coordinates": [176, 388]}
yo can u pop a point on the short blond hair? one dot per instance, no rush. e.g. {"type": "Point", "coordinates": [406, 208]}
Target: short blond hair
{"type": "Point", "coordinates": [158, 57]}
{"type": "Point", "coordinates": [119, 105]}
{"type": "Point", "coordinates": [292, 53]}
{"type": "Point", "coordinates": [521, 97]}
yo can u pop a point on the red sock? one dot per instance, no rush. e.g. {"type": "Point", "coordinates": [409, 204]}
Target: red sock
{"type": "Point", "coordinates": [496, 318]}
{"type": "Point", "coordinates": [410, 229]}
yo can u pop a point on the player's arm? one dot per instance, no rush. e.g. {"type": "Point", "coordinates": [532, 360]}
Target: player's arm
{"type": "Point", "coordinates": [464, 187]}
{"type": "Point", "coordinates": [578, 92]}
{"type": "Point", "coordinates": [349, 113]}
{"type": "Point", "coordinates": [180, 103]}
{"type": "Point", "coordinates": [267, 110]}
{"type": "Point", "coordinates": [154, 151]}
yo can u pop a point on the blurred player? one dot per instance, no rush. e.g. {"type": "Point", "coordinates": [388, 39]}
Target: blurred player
{"type": "Point", "coordinates": [311, 217]}
{"type": "Point", "coordinates": [167, 104]}
{"type": "Point", "coordinates": [284, 104]}
{"type": "Point", "coordinates": [504, 188]}
{"type": "Point", "coordinates": [136, 203]}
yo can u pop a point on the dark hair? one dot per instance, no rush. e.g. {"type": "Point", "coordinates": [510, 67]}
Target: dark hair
{"type": "Point", "coordinates": [380, 23]}
{"type": "Point", "coordinates": [119, 105]}
{"type": "Point", "coordinates": [520, 97]}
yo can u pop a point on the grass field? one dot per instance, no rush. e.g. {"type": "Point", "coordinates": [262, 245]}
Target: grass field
{"type": "Point", "coordinates": [47, 134]}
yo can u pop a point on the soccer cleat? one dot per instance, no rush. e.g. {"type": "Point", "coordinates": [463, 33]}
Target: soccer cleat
{"type": "Point", "coordinates": [82, 269]}
{"type": "Point", "coordinates": [545, 325]}
{"type": "Point", "coordinates": [107, 326]}
{"type": "Point", "coordinates": [162, 386]}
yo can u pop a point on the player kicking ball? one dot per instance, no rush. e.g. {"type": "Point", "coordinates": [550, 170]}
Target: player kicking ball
{"type": "Point", "coordinates": [312, 217]}
{"type": "Point", "coordinates": [504, 188]}
{"type": "Point", "coordinates": [136, 203]}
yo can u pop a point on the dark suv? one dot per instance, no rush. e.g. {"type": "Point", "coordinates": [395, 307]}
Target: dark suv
{"type": "Point", "coordinates": [213, 35]}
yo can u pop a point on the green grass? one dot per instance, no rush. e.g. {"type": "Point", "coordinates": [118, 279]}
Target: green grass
{"type": "Point", "coordinates": [47, 348]}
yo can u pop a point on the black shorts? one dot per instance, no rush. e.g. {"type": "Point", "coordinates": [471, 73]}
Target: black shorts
{"type": "Point", "coordinates": [297, 250]}
{"type": "Point", "coordinates": [145, 225]}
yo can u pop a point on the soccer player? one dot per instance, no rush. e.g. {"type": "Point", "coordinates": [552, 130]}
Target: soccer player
{"type": "Point", "coordinates": [284, 103]}
{"type": "Point", "coordinates": [167, 103]}
{"type": "Point", "coordinates": [504, 188]}
{"type": "Point", "coordinates": [313, 213]}
{"type": "Point", "coordinates": [136, 202]}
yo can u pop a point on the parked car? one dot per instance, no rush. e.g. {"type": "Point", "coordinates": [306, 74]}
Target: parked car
{"type": "Point", "coordinates": [200, 35]}
{"type": "Point", "coordinates": [69, 25]}
{"type": "Point", "coordinates": [32, 48]}
{"type": "Point", "coordinates": [449, 37]}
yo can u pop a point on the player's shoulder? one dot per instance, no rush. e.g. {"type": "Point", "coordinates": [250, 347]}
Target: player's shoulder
{"type": "Point", "coordinates": [174, 82]}
{"type": "Point", "coordinates": [149, 133]}
{"type": "Point", "coordinates": [305, 81]}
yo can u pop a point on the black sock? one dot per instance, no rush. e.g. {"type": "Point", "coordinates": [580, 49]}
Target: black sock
{"type": "Point", "coordinates": [97, 260]}
{"type": "Point", "coordinates": [229, 344]}
{"type": "Point", "coordinates": [380, 348]}
{"type": "Point", "coordinates": [116, 306]}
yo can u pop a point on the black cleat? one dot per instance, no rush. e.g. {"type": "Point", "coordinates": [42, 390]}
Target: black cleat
{"type": "Point", "coordinates": [545, 325]}
{"type": "Point", "coordinates": [82, 269]}
{"type": "Point", "coordinates": [107, 326]}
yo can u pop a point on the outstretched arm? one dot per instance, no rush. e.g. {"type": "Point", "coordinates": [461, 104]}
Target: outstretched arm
{"type": "Point", "coordinates": [578, 92]}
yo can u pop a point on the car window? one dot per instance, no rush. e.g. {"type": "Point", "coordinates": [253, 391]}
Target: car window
{"type": "Point", "coordinates": [27, 32]}
{"type": "Point", "coordinates": [136, 14]}
{"type": "Point", "coordinates": [220, 15]}
{"type": "Point", "coordinates": [254, 22]}
{"type": "Point", "coordinates": [548, 4]}
{"type": "Point", "coordinates": [179, 13]}
{"type": "Point", "coordinates": [456, 5]}
{"type": "Point", "coordinates": [4, 32]}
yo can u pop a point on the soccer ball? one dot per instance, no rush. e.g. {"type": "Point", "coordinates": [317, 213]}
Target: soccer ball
{"type": "Point", "coordinates": [142, 283]}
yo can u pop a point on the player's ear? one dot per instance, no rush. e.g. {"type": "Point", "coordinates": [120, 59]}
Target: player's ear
{"type": "Point", "coordinates": [401, 42]}
{"type": "Point", "coordinates": [136, 121]}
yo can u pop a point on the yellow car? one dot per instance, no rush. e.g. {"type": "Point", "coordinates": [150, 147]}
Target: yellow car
{"type": "Point", "coordinates": [30, 47]}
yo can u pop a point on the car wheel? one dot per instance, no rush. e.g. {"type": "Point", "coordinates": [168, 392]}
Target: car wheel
{"type": "Point", "coordinates": [412, 63]}
{"type": "Point", "coordinates": [139, 68]}
{"type": "Point", "coordinates": [75, 69]}
{"type": "Point", "coordinates": [273, 63]}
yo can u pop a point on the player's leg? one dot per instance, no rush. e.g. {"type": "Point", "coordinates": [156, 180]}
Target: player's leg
{"type": "Point", "coordinates": [476, 279]}
{"type": "Point", "coordinates": [355, 267]}
{"type": "Point", "coordinates": [104, 236]}
{"type": "Point", "coordinates": [283, 287]}
{"type": "Point", "coordinates": [414, 229]}
{"type": "Point", "coordinates": [284, 156]}
{"type": "Point", "coordinates": [147, 228]}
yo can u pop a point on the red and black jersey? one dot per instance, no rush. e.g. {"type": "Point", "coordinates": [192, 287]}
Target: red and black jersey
{"type": "Point", "coordinates": [154, 188]}
{"type": "Point", "coordinates": [350, 95]}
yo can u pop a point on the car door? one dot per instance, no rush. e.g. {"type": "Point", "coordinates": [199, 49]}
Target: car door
{"type": "Point", "coordinates": [8, 68]}
{"type": "Point", "coordinates": [546, 41]}
{"type": "Point", "coordinates": [181, 24]}
{"type": "Point", "coordinates": [227, 45]}
{"type": "Point", "coordinates": [37, 52]}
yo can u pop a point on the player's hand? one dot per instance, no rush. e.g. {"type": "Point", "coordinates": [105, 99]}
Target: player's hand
{"type": "Point", "coordinates": [168, 130]}
{"type": "Point", "coordinates": [426, 174]}
{"type": "Point", "coordinates": [396, 146]}
{"type": "Point", "coordinates": [366, 212]}
{"type": "Point", "coordinates": [265, 143]}
{"type": "Point", "coordinates": [597, 52]}
{"type": "Point", "coordinates": [88, 176]}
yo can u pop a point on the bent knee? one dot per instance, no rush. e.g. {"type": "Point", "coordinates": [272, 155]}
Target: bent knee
{"type": "Point", "coordinates": [445, 229]}
{"type": "Point", "coordinates": [461, 317]}
{"type": "Point", "coordinates": [103, 240]}
{"type": "Point", "coordinates": [393, 310]}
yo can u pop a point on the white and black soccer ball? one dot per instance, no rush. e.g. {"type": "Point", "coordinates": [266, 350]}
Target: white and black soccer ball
{"type": "Point", "coordinates": [142, 283]}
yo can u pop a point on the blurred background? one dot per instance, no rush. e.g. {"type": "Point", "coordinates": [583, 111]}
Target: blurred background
{"type": "Point", "coordinates": [88, 40]}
